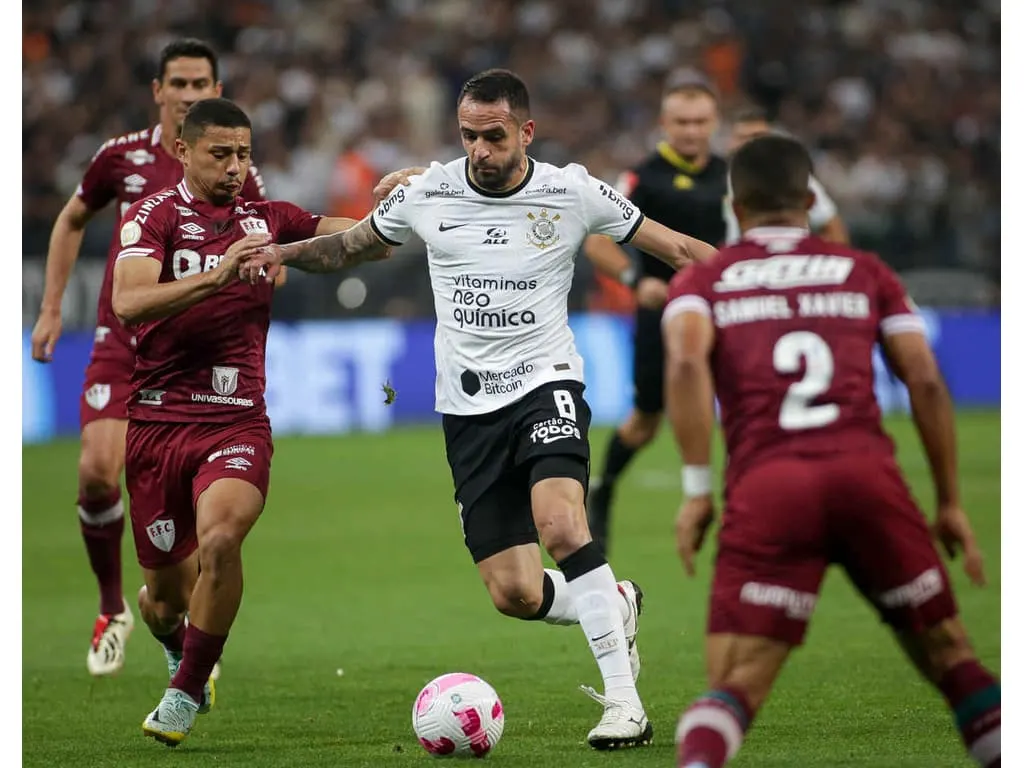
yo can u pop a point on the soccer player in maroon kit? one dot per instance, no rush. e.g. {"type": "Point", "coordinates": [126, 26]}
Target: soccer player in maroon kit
{"type": "Point", "coordinates": [781, 328]}
{"type": "Point", "coordinates": [198, 440]}
{"type": "Point", "coordinates": [125, 169]}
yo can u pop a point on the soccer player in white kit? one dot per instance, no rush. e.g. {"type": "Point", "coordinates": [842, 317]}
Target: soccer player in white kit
{"type": "Point", "coordinates": [502, 233]}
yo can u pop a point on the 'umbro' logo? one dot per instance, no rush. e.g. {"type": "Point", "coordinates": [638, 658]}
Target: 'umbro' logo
{"type": "Point", "coordinates": [442, 227]}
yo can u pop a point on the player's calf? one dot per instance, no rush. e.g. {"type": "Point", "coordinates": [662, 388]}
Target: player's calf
{"type": "Point", "coordinates": [943, 654]}
{"type": "Point", "coordinates": [101, 514]}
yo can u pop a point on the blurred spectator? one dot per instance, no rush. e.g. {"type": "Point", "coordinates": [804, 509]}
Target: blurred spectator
{"type": "Point", "coordinates": [899, 100]}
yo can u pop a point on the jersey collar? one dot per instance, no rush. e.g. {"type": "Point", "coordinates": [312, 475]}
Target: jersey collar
{"type": "Point", "coordinates": [202, 206]}
{"type": "Point", "coordinates": [504, 193]}
{"type": "Point", "coordinates": [673, 158]}
{"type": "Point", "coordinates": [759, 234]}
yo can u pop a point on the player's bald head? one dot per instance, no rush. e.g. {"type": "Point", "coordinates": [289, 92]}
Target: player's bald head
{"type": "Point", "coordinates": [770, 174]}
{"type": "Point", "coordinates": [219, 113]}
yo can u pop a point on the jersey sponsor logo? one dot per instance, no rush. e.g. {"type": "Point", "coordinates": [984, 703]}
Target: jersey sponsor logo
{"type": "Point", "coordinates": [186, 262]}
{"type": "Point", "coordinates": [797, 605]}
{"type": "Point", "coordinates": [442, 227]}
{"type": "Point", "coordinates": [553, 430]}
{"type": "Point", "coordinates": [140, 157]}
{"type": "Point", "coordinates": [240, 211]}
{"type": "Point", "coordinates": [238, 463]}
{"type": "Point", "coordinates": [151, 396]}
{"type": "Point", "coordinates": [472, 297]}
{"type": "Point", "coordinates": [161, 533]}
{"type": "Point", "coordinates": [781, 272]}
{"type": "Point", "coordinates": [628, 209]}
{"type": "Point", "coordinates": [915, 593]}
{"type": "Point", "coordinates": [192, 231]}
{"type": "Point", "coordinates": [504, 382]}
{"type": "Point", "coordinates": [201, 397]}
{"type": "Point", "coordinates": [225, 380]}
{"type": "Point", "coordinates": [543, 233]}
{"type": "Point", "coordinates": [546, 189]}
{"type": "Point", "coordinates": [682, 181]}
{"type": "Point", "coordinates": [147, 207]}
{"type": "Point", "coordinates": [97, 396]}
{"type": "Point", "coordinates": [496, 236]}
{"type": "Point", "coordinates": [183, 211]}
{"type": "Point", "coordinates": [254, 226]}
{"type": "Point", "coordinates": [133, 184]}
{"type": "Point", "coordinates": [444, 189]}
{"type": "Point", "coordinates": [398, 196]}
{"type": "Point", "coordinates": [233, 450]}
{"type": "Point", "coordinates": [131, 233]}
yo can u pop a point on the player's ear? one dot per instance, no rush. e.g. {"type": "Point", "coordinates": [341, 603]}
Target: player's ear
{"type": "Point", "coordinates": [526, 132]}
{"type": "Point", "coordinates": [156, 93]}
{"type": "Point", "coordinates": [809, 201]}
{"type": "Point", "coordinates": [180, 149]}
{"type": "Point", "coordinates": [219, 88]}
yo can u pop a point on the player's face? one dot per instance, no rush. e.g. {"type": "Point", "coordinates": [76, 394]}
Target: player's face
{"type": "Point", "coordinates": [218, 163]}
{"type": "Point", "coordinates": [495, 142]}
{"type": "Point", "coordinates": [689, 119]}
{"type": "Point", "coordinates": [744, 132]}
{"type": "Point", "coordinates": [185, 82]}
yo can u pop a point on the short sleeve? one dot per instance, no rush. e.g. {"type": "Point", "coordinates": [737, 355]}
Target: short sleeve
{"type": "Point", "coordinates": [897, 312]}
{"type": "Point", "coordinates": [606, 212]}
{"type": "Point", "coordinates": [98, 186]}
{"type": "Point", "coordinates": [393, 218]}
{"type": "Point", "coordinates": [145, 237]}
{"type": "Point", "coordinates": [629, 184]}
{"type": "Point", "coordinates": [253, 187]}
{"type": "Point", "coordinates": [292, 222]}
{"type": "Point", "coordinates": [824, 208]}
{"type": "Point", "coordinates": [689, 290]}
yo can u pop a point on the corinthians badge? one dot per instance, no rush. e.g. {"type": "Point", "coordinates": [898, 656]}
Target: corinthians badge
{"type": "Point", "coordinates": [543, 233]}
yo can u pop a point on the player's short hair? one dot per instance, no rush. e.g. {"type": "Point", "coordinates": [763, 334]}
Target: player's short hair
{"type": "Point", "coordinates": [771, 174]}
{"type": "Point", "coordinates": [222, 113]}
{"type": "Point", "coordinates": [186, 48]}
{"type": "Point", "coordinates": [689, 80]}
{"type": "Point", "coordinates": [495, 85]}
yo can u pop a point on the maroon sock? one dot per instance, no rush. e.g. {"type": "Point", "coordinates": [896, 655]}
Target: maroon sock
{"type": "Point", "coordinates": [975, 697]}
{"type": "Point", "coordinates": [201, 652]}
{"type": "Point", "coordinates": [173, 641]}
{"type": "Point", "coordinates": [711, 730]}
{"type": "Point", "coordinates": [102, 523]}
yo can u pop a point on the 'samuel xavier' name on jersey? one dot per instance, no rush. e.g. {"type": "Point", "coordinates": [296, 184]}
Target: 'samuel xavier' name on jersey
{"type": "Point", "coordinates": [501, 265]}
{"type": "Point", "coordinates": [206, 363]}
{"type": "Point", "coordinates": [126, 169]}
{"type": "Point", "coordinates": [796, 321]}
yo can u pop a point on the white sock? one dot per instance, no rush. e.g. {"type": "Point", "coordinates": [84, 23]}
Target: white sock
{"type": "Point", "coordinates": [563, 609]}
{"type": "Point", "coordinates": [597, 599]}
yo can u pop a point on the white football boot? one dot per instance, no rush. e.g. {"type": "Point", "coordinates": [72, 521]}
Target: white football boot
{"type": "Point", "coordinates": [634, 596]}
{"type": "Point", "coordinates": [621, 726]}
{"type": "Point", "coordinates": [109, 637]}
{"type": "Point", "coordinates": [173, 718]}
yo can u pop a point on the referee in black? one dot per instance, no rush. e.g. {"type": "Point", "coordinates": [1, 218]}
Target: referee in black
{"type": "Point", "coordinates": [682, 185]}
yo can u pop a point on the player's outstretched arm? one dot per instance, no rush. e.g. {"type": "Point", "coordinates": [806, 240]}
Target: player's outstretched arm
{"type": "Point", "coordinates": [140, 297]}
{"type": "Point", "coordinates": [326, 253]}
{"type": "Point", "coordinates": [674, 248]}
{"type": "Point", "coordinates": [65, 244]}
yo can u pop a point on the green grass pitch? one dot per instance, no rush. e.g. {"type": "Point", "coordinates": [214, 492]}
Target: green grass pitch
{"type": "Point", "coordinates": [358, 565]}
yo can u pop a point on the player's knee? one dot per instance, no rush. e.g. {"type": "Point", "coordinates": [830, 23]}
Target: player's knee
{"type": "Point", "coordinates": [164, 607]}
{"type": "Point", "coordinates": [514, 598]}
{"type": "Point", "coordinates": [98, 472]}
{"type": "Point", "coordinates": [220, 547]}
{"type": "Point", "coordinates": [560, 531]}
{"type": "Point", "coordinates": [943, 647]}
{"type": "Point", "coordinates": [641, 428]}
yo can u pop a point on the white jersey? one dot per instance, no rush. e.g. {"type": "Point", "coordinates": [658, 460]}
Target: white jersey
{"type": "Point", "coordinates": [821, 213]}
{"type": "Point", "coordinates": [501, 265]}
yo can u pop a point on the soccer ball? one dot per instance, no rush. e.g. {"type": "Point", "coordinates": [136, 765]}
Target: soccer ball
{"type": "Point", "coordinates": [458, 715]}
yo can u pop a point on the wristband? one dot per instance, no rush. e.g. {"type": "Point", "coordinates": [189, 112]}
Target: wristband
{"type": "Point", "coordinates": [697, 481]}
{"type": "Point", "coordinates": [629, 277]}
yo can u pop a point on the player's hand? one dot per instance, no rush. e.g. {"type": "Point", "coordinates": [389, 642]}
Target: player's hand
{"type": "Point", "coordinates": [263, 263]}
{"type": "Point", "coordinates": [953, 530]}
{"type": "Point", "coordinates": [238, 253]}
{"type": "Point", "coordinates": [695, 517]}
{"type": "Point", "coordinates": [387, 185]}
{"type": "Point", "coordinates": [651, 293]}
{"type": "Point", "coordinates": [45, 335]}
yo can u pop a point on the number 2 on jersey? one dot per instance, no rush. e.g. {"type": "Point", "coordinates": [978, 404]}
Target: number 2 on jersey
{"type": "Point", "coordinates": [797, 412]}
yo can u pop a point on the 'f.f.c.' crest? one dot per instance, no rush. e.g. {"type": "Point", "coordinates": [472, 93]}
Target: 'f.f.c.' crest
{"type": "Point", "coordinates": [225, 380]}
{"type": "Point", "coordinates": [543, 233]}
{"type": "Point", "coordinates": [161, 533]}
{"type": "Point", "coordinates": [254, 226]}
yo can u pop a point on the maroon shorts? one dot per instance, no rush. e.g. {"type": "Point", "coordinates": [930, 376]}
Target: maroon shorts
{"type": "Point", "coordinates": [168, 465]}
{"type": "Point", "coordinates": [108, 379]}
{"type": "Point", "coordinates": [786, 520]}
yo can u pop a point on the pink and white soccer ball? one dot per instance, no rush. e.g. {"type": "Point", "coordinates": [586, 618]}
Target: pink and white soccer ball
{"type": "Point", "coordinates": [458, 715]}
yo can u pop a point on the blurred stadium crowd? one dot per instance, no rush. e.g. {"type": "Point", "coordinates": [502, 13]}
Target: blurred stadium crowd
{"type": "Point", "coordinates": [899, 99]}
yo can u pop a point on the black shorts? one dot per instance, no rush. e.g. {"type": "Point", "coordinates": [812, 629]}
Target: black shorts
{"type": "Point", "coordinates": [497, 457]}
{"type": "Point", "coordinates": [648, 362]}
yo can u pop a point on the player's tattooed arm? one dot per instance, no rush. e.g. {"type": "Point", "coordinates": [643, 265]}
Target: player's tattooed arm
{"type": "Point", "coordinates": [326, 253]}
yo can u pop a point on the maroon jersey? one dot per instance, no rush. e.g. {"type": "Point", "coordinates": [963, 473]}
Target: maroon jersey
{"type": "Point", "coordinates": [126, 169]}
{"type": "Point", "coordinates": [796, 319]}
{"type": "Point", "coordinates": [207, 362]}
